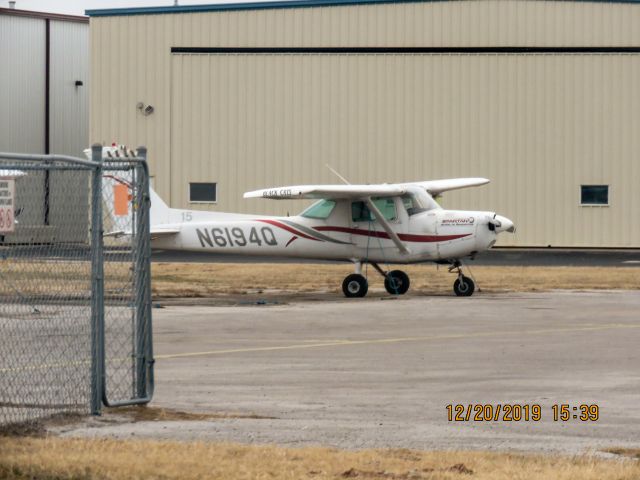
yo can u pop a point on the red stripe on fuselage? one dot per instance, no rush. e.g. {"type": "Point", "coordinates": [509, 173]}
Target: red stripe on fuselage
{"type": "Point", "coordinates": [408, 237]}
{"type": "Point", "coordinates": [288, 229]}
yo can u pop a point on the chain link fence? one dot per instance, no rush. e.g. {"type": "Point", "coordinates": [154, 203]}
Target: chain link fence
{"type": "Point", "coordinates": [75, 300]}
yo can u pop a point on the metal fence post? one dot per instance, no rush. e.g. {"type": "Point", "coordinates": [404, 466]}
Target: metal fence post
{"type": "Point", "coordinates": [142, 286]}
{"type": "Point", "coordinates": [97, 284]}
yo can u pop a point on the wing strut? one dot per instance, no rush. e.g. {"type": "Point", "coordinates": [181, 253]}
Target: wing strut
{"type": "Point", "coordinates": [387, 228]}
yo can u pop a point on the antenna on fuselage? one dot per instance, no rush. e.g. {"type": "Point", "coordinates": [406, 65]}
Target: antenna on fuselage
{"type": "Point", "coordinates": [337, 174]}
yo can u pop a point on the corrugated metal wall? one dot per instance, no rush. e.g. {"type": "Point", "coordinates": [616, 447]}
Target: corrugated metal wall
{"type": "Point", "coordinates": [22, 115]}
{"type": "Point", "coordinates": [22, 84]}
{"type": "Point", "coordinates": [69, 120]}
{"type": "Point", "coordinates": [69, 117]}
{"type": "Point", "coordinates": [537, 125]}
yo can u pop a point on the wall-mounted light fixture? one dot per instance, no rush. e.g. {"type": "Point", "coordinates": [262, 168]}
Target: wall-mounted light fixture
{"type": "Point", "coordinates": [146, 110]}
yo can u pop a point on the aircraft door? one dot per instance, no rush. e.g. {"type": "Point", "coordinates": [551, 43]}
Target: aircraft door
{"type": "Point", "coordinates": [366, 232]}
{"type": "Point", "coordinates": [422, 222]}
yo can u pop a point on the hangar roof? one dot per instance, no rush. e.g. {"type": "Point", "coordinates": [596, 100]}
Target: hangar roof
{"type": "Point", "coordinates": [44, 15]}
{"type": "Point", "coordinates": [221, 7]}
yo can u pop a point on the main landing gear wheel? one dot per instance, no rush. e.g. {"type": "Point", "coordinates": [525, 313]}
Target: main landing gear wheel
{"type": "Point", "coordinates": [355, 285]}
{"type": "Point", "coordinates": [396, 282]}
{"type": "Point", "coordinates": [463, 286]}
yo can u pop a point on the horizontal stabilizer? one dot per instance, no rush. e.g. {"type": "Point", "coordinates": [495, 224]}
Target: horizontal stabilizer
{"type": "Point", "coordinates": [163, 232]}
{"type": "Point", "coordinates": [155, 232]}
{"type": "Point", "coordinates": [327, 191]}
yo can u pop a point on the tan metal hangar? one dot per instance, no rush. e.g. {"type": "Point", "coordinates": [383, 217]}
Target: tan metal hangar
{"type": "Point", "coordinates": [539, 96]}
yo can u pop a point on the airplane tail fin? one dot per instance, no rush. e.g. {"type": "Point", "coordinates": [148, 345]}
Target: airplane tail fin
{"type": "Point", "coordinates": [119, 206]}
{"type": "Point", "coordinates": [159, 212]}
{"type": "Point", "coordinates": [118, 201]}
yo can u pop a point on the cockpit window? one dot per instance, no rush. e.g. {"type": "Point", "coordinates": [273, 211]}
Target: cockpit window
{"type": "Point", "coordinates": [360, 212]}
{"type": "Point", "coordinates": [320, 210]}
{"type": "Point", "coordinates": [418, 201]}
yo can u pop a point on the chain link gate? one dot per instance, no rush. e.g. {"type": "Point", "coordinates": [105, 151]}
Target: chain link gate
{"type": "Point", "coordinates": [75, 295]}
{"type": "Point", "coordinates": [126, 347]}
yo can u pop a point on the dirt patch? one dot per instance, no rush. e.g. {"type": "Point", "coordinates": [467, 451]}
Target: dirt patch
{"type": "Point", "coordinates": [143, 413]}
{"type": "Point", "coordinates": [625, 452]}
{"type": "Point", "coordinates": [425, 473]}
{"type": "Point", "coordinates": [136, 413]}
{"type": "Point", "coordinates": [38, 428]}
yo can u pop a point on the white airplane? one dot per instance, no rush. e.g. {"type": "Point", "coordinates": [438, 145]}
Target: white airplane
{"type": "Point", "coordinates": [376, 224]}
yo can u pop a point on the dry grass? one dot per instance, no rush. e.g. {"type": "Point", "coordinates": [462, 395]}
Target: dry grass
{"type": "Point", "coordinates": [60, 279]}
{"type": "Point", "coordinates": [207, 279]}
{"type": "Point", "coordinates": [57, 458]}
{"type": "Point", "coordinates": [52, 279]}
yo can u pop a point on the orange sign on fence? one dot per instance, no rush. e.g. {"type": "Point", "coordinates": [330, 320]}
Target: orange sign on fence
{"type": "Point", "coordinates": [121, 199]}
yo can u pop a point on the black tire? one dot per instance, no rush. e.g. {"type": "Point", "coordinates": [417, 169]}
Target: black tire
{"type": "Point", "coordinates": [397, 282]}
{"type": "Point", "coordinates": [464, 286]}
{"type": "Point", "coordinates": [355, 285]}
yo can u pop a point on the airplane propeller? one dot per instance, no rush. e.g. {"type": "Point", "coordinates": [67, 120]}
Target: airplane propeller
{"type": "Point", "coordinates": [501, 224]}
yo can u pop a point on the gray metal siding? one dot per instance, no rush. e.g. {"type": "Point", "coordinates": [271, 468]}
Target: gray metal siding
{"type": "Point", "coordinates": [22, 84]}
{"type": "Point", "coordinates": [69, 110]}
{"type": "Point", "coordinates": [69, 119]}
{"type": "Point", "coordinates": [22, 114]}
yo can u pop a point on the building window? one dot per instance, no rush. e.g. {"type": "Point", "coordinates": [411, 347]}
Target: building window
{"type": "Point", "coordinates": [594, 195]}
{"type": "Point", "coordinates": [202, 192]}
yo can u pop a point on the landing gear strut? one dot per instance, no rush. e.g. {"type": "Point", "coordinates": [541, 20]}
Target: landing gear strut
{"type": "Point", "coordinates": [396, 282]}
{"type": "Point", "coordinates": [463, 286]}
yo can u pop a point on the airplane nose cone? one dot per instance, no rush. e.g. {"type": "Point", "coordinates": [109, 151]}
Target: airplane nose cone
{"type": "Point", "coordinates": [503, 224]}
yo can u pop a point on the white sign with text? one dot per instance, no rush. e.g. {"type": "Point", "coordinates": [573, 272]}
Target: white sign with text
{"type": "Point", "coordinates": [7, 198]}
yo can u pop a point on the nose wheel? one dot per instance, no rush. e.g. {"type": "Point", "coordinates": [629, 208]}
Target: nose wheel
{"type": "Point", "coordinates": [463, 286]}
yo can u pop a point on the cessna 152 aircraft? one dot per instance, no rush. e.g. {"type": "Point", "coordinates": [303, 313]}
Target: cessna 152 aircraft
{"type": "Point", "coordinates": [375, 224]}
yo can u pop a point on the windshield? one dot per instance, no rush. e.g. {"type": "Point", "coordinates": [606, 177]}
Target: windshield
{"type": "Point", "coordinates": [416, 200]}
{"type": "Point", "coordinates": [320, 210]}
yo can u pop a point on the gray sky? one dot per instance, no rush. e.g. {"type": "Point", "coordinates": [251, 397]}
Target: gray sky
{"type": "Point", "coordinates": [77, 7]}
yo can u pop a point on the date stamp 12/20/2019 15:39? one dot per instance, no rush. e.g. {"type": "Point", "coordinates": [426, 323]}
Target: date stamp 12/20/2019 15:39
{"type": "Point", "coordinates": [521, 412]}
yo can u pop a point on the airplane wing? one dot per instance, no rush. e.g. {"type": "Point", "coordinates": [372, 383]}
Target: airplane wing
{"type": "Point", "coordinates": [333, 192]}
{"type": "Point", "coordinates": [436, 187]}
